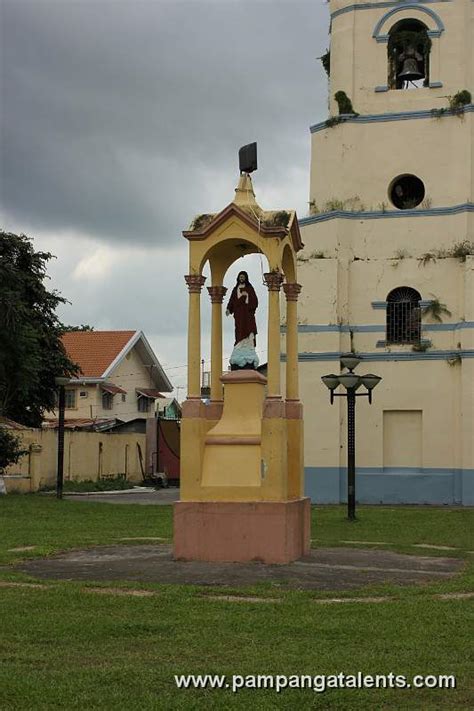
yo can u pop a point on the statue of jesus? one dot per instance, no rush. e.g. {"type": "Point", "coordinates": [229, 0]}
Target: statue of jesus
{"type": "Point", "coordinates": [242, 304]}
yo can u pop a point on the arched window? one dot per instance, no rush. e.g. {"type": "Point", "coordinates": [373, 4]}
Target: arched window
{"type": "Point", "coordinates": [409, 48]}
{"type": "Point", "coordinates": [403, 316]}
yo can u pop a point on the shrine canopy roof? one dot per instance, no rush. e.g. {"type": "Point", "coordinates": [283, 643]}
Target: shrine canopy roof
{"type": "Point", "coordinates": [269, 223]}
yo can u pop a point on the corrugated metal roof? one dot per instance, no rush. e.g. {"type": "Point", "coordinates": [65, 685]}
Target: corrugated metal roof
{"type": "Point", "coordinates": [149, 392]}
{"type": "Point", "coordinates": [111, 388]}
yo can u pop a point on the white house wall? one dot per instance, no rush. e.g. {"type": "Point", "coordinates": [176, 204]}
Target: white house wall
{"type": "Point", "coordinates": [130, 374]}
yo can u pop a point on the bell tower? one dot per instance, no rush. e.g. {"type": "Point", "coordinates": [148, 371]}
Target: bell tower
{"type": "Point", "coordinates": [388, 265]}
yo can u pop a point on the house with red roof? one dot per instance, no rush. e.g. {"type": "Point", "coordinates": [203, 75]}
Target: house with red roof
{"type": "Point", "coordinates": [120, 376]}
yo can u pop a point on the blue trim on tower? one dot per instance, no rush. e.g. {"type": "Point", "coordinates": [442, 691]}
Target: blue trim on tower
{"type": "Point", "coordinates": [394, 116]}
{"type": "Point", "coordinates": [448, 326]}
{"type": "Point", "coordinates": [423, 303]}
{"type": "Point", "coordinates": [389, 356]}
{"type": "Point", "coordinates": [392, 485]}
{"type": "Point", "coordinates": [387, 214]}
{"type": "Point", "coordinates": [374, 328]}
{"type": "Point", "coordinates": [379, 5]}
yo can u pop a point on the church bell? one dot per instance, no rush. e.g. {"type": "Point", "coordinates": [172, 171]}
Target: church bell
{"type": "Point", "coordinates": [411, 68]}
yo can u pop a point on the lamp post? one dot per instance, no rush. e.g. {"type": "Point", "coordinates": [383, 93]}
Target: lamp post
{"type": "Point", "coordinates": [351, 382]}
{"type": "Point", "coordinates": [60, 382]}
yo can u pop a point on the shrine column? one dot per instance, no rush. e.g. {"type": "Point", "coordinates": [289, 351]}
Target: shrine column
{"type": "Point", "coordinates": [195, 283]}
{"type": "Point", "coordinates": [273, 280]}
{"type": "Point", "coordinates": [292, 292]}
{"type": "Point", "coordinates": [217, 294]}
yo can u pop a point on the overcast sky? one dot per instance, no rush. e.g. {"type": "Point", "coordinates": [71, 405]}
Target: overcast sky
{"type": "Point", "coordinates": [121, 119]}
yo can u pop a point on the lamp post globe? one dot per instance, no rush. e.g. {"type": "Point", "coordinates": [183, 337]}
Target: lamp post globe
{"type": "Point", "coordinates": [370, 380]}
{"type": "Point", "coordinates": [350, 360]}
{"type": "Point", "coordinates": [331, 381]}
{"type": "Point", "coordinates": [351, 382]}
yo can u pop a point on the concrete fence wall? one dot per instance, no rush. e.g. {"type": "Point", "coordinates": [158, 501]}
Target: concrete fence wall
{"type": "Point", "coordinates": [87, 455]}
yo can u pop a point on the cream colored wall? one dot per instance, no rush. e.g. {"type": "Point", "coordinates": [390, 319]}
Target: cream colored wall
{"type": "Point", "coordinates": [448, 280]}
{"type": "Point", "coordinates": [382, 238]}
{"type": "Point", "coordinates": [130, 374]}
{"type": "Point", "coordinates": [83, 458]}
{"type": "Point", "coordinates": [403, 426]}
{"type": "Point", "coordinates": [359, 62]}
{"type": "Point", "coordinates": [319, 276]}
{"type": "Point", "coordinates": [434, 149]}
{"type": "Point", "coordinates": [371, 279]}
{"type": "Point", "coordinates": [432, 388]}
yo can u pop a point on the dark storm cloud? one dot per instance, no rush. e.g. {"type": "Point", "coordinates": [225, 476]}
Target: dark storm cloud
{"type": "Point", "coordinates": [122, 119]}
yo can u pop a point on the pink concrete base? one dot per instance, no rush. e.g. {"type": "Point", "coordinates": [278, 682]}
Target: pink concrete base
{"type": "Point", "coordinates": [267, 531]}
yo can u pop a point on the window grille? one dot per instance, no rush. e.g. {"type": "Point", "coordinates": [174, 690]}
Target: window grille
{"type": "Point", "coordinates": [143, 404]}
{"type": "Point", "coordinates": [107, 401]}
{"type": "Point", "coordinates": [403, 316]}
{"type": "Point", "coordinates": [70, 399]}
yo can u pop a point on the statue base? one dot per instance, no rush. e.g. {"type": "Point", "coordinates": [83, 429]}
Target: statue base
{"type": "Point", "coordinates": [244, 354]}
{"type": "Point", "coordinates": [241, 532]}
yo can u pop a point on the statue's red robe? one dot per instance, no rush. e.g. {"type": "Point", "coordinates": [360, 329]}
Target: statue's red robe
{"type": "Point", "coordinates": [244, 313]}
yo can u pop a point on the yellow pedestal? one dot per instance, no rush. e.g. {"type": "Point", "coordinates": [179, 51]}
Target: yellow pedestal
{"type": "Point", "coordinates": [233, 448]}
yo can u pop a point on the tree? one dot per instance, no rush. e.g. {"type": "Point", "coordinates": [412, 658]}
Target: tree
{"type": "Point", "coordinates": [31, 352]}
{"type": "Point", "coordinates": [75, 329]}
{"type": "Point", "coordinates": [10, 448]}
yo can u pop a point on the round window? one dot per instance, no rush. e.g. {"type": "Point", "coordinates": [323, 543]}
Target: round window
{"type": "Point", "coordinates": [407, 192]}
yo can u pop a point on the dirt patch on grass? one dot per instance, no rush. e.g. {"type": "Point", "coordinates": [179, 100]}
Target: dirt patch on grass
{"type": "Point", "coordinates": [143, 538]}
{"type": "Point", "coordinates": [456, 596]}
{"type": "Point", "coordinates": [335, 600]}
{"type": "Point", "coordinates": [12, 584]}
{"type": "Point", "coordinates": [368, 543]}
{"type": "Point", "coordinates": [434, 547]}
{"type": "Point", "coordinates": [241, 598]}
{"type": "Point", "coordinates": [120, 591]}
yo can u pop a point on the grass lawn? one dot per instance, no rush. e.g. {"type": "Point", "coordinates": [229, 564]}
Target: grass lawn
{"type": "Point", "coordinates": [64, 646]}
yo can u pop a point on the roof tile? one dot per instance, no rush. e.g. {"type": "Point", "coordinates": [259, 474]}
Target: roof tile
{"type": "Point", "coordinates": [94, 351]}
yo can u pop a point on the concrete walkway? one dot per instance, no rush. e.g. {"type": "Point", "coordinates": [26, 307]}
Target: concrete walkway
{"type": "Point", "coordinates": [156, 497]}
{"type": "Point", "coordinates": [322, 569]}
